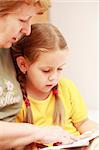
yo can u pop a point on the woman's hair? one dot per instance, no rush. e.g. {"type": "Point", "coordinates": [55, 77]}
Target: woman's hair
{"type": "Point", "coordinates": [44, 37]}
{"type": "Point", "coordinates": [8, 6]}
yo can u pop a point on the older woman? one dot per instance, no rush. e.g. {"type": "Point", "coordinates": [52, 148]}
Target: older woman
{"type": "Point", "coordinates": [15, 21]}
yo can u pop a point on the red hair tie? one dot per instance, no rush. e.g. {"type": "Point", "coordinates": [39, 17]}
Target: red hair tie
{"type": "Point", "coordinates": [55, 91]}
{"type": "Point", "coordinates": [83, 148]}
{"type": "Point", "coordinates": [27, 102]}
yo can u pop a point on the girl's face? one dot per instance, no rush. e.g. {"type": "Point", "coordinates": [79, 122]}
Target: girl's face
{"type": "Point", "coordinates": [44, 74]}
{"type": "Point", "coordinates": [15, 24]}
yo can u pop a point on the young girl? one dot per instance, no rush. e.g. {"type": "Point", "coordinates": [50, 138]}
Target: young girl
{"type": "Point", "coordinates": [49, 98]}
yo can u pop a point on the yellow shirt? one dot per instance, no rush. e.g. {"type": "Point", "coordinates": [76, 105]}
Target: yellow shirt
{"type": "Point", "coordinates": [75, 109]}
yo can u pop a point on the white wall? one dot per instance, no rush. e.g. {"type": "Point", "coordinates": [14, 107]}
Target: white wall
{"type": "Point", "coordinates": [78, 21]}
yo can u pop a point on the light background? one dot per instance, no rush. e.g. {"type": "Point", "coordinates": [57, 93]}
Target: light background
{"type": "Point", "coordinates": [79, 23]}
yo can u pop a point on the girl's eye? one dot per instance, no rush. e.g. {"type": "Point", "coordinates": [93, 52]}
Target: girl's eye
{"type": "Point", "coordinates": [60, 69]}
{"type": "Point", "coordinates": [46, 71]}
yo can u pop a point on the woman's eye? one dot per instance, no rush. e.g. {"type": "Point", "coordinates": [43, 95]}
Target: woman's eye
{"type": "Point", "coordinates": [22, 20]}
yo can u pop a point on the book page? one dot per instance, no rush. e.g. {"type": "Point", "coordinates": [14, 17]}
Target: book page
{"type": "Point", "coordinates": [83, 141]}
{"type": "Point", "coordinates": [90, 134]}
{"type": "Point", "coordinates": [80, 143]}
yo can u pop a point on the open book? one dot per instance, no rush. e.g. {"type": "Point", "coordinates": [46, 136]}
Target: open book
{"type": "Point", "coordinates": [84, 140]}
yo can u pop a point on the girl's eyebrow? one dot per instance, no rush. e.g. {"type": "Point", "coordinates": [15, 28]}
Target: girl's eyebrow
{"type": "Point", "coordinates": [51, 66]}
{"type": "Point", "coordinates": [45, 66]}
{"type": "Point", "coordinates": [63, 64]}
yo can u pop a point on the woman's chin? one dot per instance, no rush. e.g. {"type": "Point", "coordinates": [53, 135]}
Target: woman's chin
{"type": "Point", "coordinates": [7, 45]}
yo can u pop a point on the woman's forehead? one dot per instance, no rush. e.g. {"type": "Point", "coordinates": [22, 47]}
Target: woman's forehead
{"type": "Point", "coordinates": [25, 10]}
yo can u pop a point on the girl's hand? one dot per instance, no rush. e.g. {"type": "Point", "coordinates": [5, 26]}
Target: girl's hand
{"type": "Point", "coordinates": [54, 134]}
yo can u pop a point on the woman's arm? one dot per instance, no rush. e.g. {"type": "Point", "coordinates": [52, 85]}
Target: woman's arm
{"type": "Point", "coordinates": [16, 134]}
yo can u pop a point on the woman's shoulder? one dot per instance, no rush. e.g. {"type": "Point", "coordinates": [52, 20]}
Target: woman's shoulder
{"type": "Point", "coordinates": [4, 51]}
{"type": "Point", "coordinates": [10, 92]}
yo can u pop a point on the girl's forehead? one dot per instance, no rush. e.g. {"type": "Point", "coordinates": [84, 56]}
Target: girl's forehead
{"type": "Point", "coordinates": [55, 57]}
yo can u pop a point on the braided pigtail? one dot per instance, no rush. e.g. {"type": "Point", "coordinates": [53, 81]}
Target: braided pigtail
{"type": "Point", "coordinates": [59, 111]}
{"type": "Point", "coordinates": [21, 77]}
{"type": "Point", "coordinates": [22, 80]}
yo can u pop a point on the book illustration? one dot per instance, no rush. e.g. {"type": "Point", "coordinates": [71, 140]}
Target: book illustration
{"type": "Point", "coordinates": [80, 143]}
{"type": "Point", "coordinates": [90, 134]}
{"type": "Point", "coordinates": [83, 141]}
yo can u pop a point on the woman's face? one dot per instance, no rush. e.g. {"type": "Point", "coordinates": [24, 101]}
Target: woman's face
{"type": "Point", "coordinates": [15, 24]}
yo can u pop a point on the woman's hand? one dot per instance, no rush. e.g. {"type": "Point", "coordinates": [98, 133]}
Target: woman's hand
{"type": "Point", "coordinates": [54, 134]}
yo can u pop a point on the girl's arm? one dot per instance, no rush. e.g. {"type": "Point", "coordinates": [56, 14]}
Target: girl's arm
{"type": "Point", "coordinates": [86, 125]}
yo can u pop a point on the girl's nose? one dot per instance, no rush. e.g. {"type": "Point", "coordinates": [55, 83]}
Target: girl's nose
{"type": "Point", "coordinates": [52, 77]}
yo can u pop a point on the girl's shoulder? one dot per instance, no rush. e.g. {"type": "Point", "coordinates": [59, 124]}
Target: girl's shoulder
{"type": "Point", "coordinates": [64, 82]}
{"type": "Point", "coordinates": [66, 85]}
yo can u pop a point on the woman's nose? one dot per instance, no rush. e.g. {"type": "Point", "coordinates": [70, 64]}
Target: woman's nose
{"type": "Point", "coordinates": [26, 30]}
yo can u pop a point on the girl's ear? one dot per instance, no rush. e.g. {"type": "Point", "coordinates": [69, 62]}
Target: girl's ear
{"type": "Point", "coordinates": [22, 64]}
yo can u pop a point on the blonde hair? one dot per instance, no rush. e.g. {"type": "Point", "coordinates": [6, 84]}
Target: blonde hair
{"type": "Point", "coordinates": [7, 6]}
{"type": "Point", "coordinates": [44, 37]}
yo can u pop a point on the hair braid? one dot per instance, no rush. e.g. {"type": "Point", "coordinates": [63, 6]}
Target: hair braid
{"type": "Point", "coordinates": [21, 77]}
{"type": "Point", "coordinates": [59, 111]}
